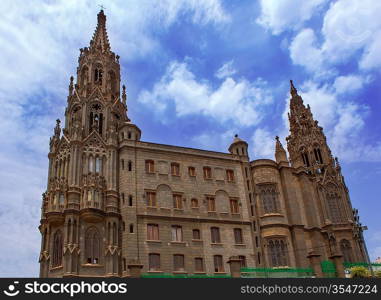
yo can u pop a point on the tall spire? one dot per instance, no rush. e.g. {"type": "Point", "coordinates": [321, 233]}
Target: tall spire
{"type": "Point", "coordinates": [293, 90]}
{"type": "Point", "coordinates": [100, 38]}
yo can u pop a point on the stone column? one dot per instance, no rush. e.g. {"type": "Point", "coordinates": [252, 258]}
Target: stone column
{"type": "Point", "coordinates": [135, 268]}
{"type": "Point", "coordinates": [338, 260]}
{"type": "Point", "coordinates": [235, 266]}
{"type": "Point", "coordinates": [314, 259]}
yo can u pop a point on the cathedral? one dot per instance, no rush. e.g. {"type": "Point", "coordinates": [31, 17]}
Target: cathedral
{"type": "Point", "coordinates": [113, 200]}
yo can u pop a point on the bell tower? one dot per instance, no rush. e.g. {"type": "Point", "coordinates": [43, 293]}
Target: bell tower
{"type": "Point", "coordinates": [311, 157]}
{"type": "Point", "coordinates": [307, 144]}
{"type": "Point", "coordinates": [81, 220]}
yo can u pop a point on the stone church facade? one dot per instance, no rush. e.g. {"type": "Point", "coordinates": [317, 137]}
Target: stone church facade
{"type": "Point", "coordinates": [113, 200]}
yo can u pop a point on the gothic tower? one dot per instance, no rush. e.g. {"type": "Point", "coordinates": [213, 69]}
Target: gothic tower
{"type": "Point", "coordinates": [81, 205]}
{"type": "Point", "coordinates": [311, 156]}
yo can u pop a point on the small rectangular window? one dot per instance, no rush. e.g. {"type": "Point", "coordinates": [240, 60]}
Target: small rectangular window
{"type": "Point", "coordinates": [196, 234]}
{"type": "Point", "coordinates": [178, 262]}
{"type": "Point", "coordinates": [150, 166]}
{"type": "Point", "coordinates": [177, 201]}
{"type": "Point", "coordinates": [151, 199]}
{"type": "Point", "coordinates": [218, 263]}
{"type": "Point", "coordinates": [192, 171]}
{"type": "Point", "coordinates": [153, 232]}
{"type": "Point", "coordinates": [154, 262]}
{"type": "Point", "coordinates": [175, 169]}
{"type": "Point", "coordinates": [230, 175]}
{"type": "Point", "coordinates": [194, 203]}
{"type": "Point", "coordinates": [177, 233]}
{"type": "Point", "coordinates": [211, 204]}
{"type": "Point", "coordinates": [198, 264]}
{"type": "Point", "coordinates": [215, 235]}
{"type": "Point", "coordinates": [207, 172]}
{"type": "Point", "coordinates": [238, 236]}
{"type": "Point", "coordinates": [234, 207]}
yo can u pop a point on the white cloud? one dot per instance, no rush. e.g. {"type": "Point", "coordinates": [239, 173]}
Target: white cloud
{"type": "Point", "coordinates": [304, 51]}
{"type": "Point", "coordinates": [281, 15]}
{"type": "Point", "coordinates": [239, 101]}
{"type": "Point", "coordinates": [349, 28]}
{"type": "Point", "coordinates": [226, 70]}
{"type": "Point", "coordinates": [217, 141]}
{"type": "Point", "coordinates": [349, 83]}
{"type": "Point", "coordinates": [263, 144]}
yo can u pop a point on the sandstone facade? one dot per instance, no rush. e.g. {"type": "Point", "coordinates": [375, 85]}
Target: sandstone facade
{"type": "Point", "coordinates": [113, 200]}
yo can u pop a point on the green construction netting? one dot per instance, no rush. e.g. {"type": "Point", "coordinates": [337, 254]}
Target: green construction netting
{"type": "Point", "coordinates": [276, 272]}
{"type": "Point", "coordinates": [169, 275]}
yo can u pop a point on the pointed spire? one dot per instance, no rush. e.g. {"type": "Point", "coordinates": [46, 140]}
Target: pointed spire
{"type": "Point", "coordinates": [293, 90]}
{"type": "Point", "coordinates": [280, 153]}
{"type": "Point", "coordinates": [100, 38]}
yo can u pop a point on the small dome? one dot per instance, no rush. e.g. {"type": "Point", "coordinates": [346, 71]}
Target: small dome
{"type": "Point", "coordinates": [236, 142]}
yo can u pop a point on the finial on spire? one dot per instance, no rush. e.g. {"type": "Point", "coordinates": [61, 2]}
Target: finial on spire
{"type": "Point", "coordinates": [100, 39]}
{"type": "Point", "coordinates": [101, 17]}
{"type": "Point", "coordinates": [293, 90]}
{"type": "Point", "coordinates": [124, 95]}
{"type": "Point", "coordinates": [71, 86]}
{"type": "Point", "coordinates": [57, 129]}
{"type": "Point", "coordinates": [236, 135]}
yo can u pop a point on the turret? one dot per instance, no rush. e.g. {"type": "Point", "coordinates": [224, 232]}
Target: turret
{"type": "Point", "coordinates": [239, 147]}
{"type": "Point", "coordinates": [280, 153]}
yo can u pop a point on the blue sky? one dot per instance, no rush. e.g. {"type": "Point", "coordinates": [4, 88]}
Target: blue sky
{"type": "Point", "coordinates": [196, 72]}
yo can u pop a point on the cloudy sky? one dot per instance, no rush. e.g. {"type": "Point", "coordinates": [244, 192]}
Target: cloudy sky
{"type": "Point", "coordinates": [196, 72]}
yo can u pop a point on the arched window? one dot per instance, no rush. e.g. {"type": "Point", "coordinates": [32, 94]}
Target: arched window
{"type": "Point", "coordinates": [96, 118]}
{"type": "Point", "coordinates": [69, 231]}
{"type": "Point", "coordinates": [333, 203]}
{"type": "Point", "coordinates": [346, 249]}
{"type": "Point", "coordinates": [277, 252]}
{"type": "Point", "coordinates": [306, 160]}
{"type": "Point", "coordinates": [114, 234]}
{"type": "Point", "coordinates": [75, 232]}
{"type": "Point", "coordinates": [98, 165]}
{"type": "Point", "coordinates": [269, 197]}
{"type": "Point", "coordinates": [84, 76]}
{"type": "Point", "coordinates": [91, 164]}
{"type": "Point", "coordinates": [109, 233]}
{"type": "Point", "coordinates": [92, 246]}
{"type": "Point", "coordinates": [318, 157]}
{"type": "Point", "coordinates": [62, 199]}
{"type": "Point", "coordinates": [98, 74]}
{"type": "Point", "coordinates": [57, 249]}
